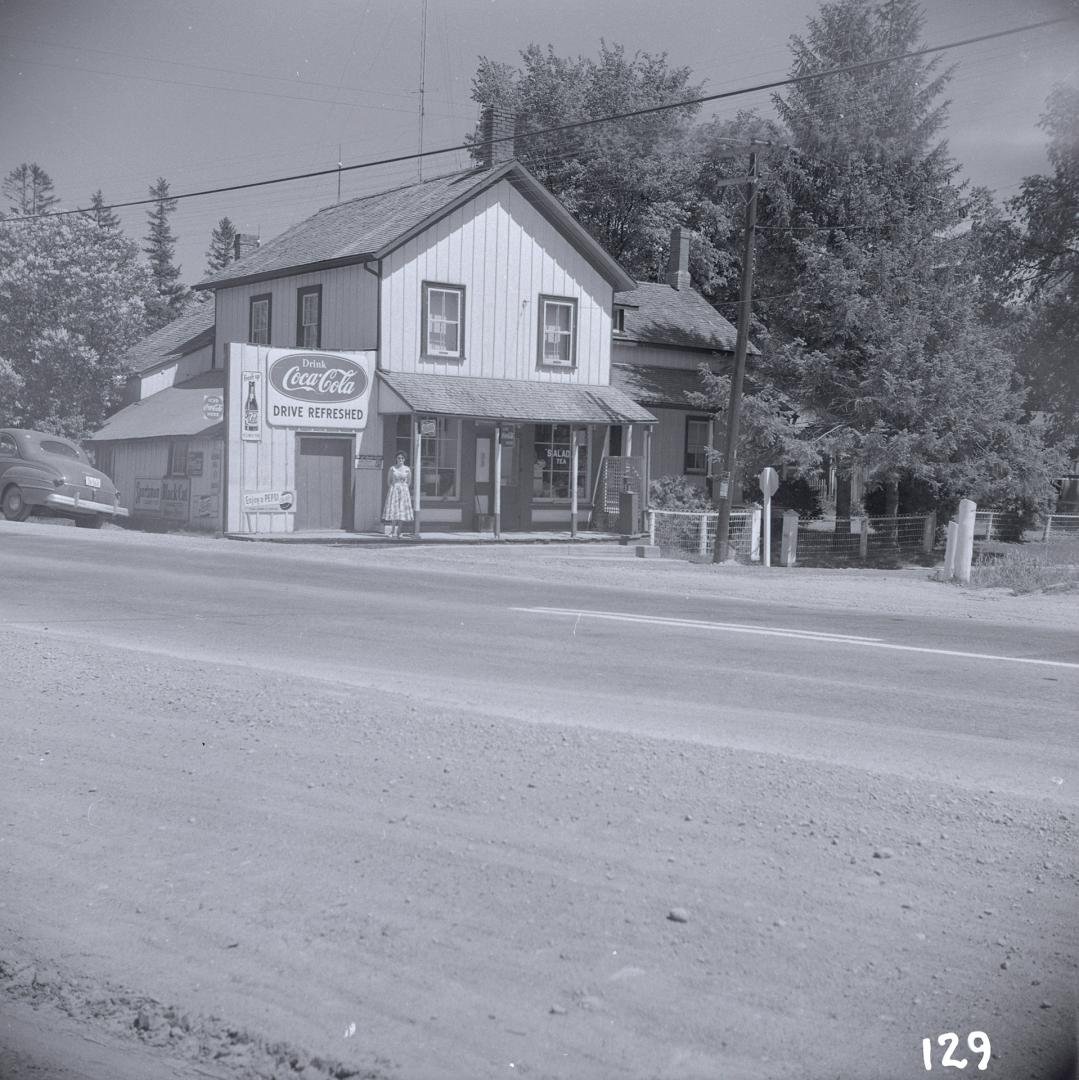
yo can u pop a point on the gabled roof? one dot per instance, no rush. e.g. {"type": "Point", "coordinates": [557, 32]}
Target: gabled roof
{"type": "Point", "coordinates": [659, 387]}
{"type": "Point", "coordinates": [659, 314]}
{"type": "Point", "coordinates": [176, 410]}
{"type": "Point", "coordinates": [191, 331]}
{"type": "Point", "coordinates": [371, 226]}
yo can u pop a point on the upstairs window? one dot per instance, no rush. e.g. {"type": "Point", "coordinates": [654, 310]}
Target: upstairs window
{"type": "Point", "coordinates": [258, 328]}
{"type": "Point", "coordinates": [558, 331]}
{"type": "Point", "coordinates": [309, 317]}
{"type": "Point", "coordinates": [443, 321]}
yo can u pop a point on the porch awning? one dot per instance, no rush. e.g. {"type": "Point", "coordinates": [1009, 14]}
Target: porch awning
{"type": "Point", "coordinates": [514, 401]}
{"type": "Point", "coordinates": [177, 410]}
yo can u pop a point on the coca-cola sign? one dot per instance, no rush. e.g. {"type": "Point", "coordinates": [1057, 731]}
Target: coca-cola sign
{"type": "Point", "coordinates": [318, 377]}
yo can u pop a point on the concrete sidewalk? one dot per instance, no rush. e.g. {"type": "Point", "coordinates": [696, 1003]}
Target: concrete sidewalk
{"type": "Point", "coordinates": [340, 537]}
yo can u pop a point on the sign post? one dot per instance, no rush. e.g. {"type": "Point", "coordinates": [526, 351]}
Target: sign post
{"type": "Point", "coordinates": [769, 482]}
{"type": "Point", "coordinates": [574, 458]}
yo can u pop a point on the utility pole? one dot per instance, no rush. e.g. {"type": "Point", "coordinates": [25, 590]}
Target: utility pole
{"type": "Point", "coordinates": [423, 80]}
{"type": "Point", "coordinates": [722, 551]}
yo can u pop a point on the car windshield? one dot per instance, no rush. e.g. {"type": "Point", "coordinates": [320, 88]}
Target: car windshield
{"type": "Point", "coordinates": [51, 446]}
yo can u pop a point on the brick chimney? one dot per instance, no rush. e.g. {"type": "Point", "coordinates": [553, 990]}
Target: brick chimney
{"type": "Point", "coordinates": [496, 123]}
{"type": "Point", "coordinates": [678, 267]}
{"type": "Point", "coordinates": [244, 244]}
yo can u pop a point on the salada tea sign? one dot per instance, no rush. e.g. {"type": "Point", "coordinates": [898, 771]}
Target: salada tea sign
{"type": "Point", "coordinates": [319, 390]}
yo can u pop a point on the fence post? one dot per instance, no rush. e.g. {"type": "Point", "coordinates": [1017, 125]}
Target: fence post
{"type": "Point", "coordinates": [788, 551]}
{"type": "Point", "coordinates": [929, 532]}
{"type": "Point", "coordinates": [702, 537]}
{"type": "Point", "coordinates": [949, 551]}
{"type": "Point", "coordinates": [1048, 527]}
{"type": "Point", "coordinates": [964, 539]}
{"type": "Point", "coordinates": [755, 536]}
{"type": "Point", "coordinates": [989, 527]}
{"type": "Point", "coordinates": [651, 528]}
{"type": "Point", "coordinates": [863, 538]}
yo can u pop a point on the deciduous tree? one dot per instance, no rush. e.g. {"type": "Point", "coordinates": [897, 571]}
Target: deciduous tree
{"type": "Point", "coordinates": [73, 300]}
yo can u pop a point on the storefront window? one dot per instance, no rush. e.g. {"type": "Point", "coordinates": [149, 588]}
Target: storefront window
{"type": "Point", "coordinates": [554, 456]}
{"type": "Point", "coordinates": [440, 456]}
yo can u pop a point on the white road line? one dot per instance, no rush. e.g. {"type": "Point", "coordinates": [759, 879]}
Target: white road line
{"type": "Point", "coordinates": [778, 631]}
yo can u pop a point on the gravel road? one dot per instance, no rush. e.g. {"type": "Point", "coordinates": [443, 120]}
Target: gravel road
{"type": "Point", "coordinates": [208, 871]}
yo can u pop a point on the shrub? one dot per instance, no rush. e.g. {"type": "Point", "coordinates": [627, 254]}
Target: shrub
{"type": "Point", "coordinates": [677, 493]}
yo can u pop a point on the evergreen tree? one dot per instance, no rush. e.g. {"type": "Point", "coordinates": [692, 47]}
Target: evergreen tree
{"type": "Point", "coordinates": [222, 248]}
{"type": "Point", "coordinates": [102, 215]}
{"type": "Point", "coordinates": [28, 189]}
{"type": "Point", "coordinates": [160, 249]}
{"type": "Point", "coordinates": [875, 329]}
{"type": "Point", "coordinates": [73, 300]}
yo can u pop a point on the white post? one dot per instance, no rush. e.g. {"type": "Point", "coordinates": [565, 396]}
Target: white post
{"type": "Point", "coordinates": [702, 537]}
{"type": "Point", "coordinates": [964, 539]}
{"type": "Point", "coordinates": [417, 454]}
{"type": "Point", "coordinates": [498, 482]}
{"type": "Point", "coordinates": [651, 528]}
{"type": "Point", "coordinates": [767, 523]}
{"type": "Point", "coordinates": [755, 534]}
{"type": "Point", "coordinates": [949, 552]}
{"type": "Point", "coordinates": [574, 458]}
{"type": "Point", "coordinates": [627, 449]}
{"type": "Point", "coordinates": [788, 552]}
{"type": "Point", "coordinates": [1048, 526]}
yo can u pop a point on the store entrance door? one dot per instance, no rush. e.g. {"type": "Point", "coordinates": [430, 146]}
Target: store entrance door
{"type": "Point", "coordinates": [323, 482]}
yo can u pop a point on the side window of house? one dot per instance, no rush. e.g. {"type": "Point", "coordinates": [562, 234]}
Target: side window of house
{"type": "Point", "coordinates": [618, 320]}
{"type": "Point", "coordinates": [440, 457]}
{"type": "Point", "coordinates": [258, 330]}
{"type": "Point", "coordinates": [309, 317]}
{"type": "Point", "coordinates": [698, 432]}
{"type": "Point", "coordinates": [558, 331]}
{"type": "Point", "coordinates": [178, 457]}
{"type": "Point", "coordinates": [442, 317]}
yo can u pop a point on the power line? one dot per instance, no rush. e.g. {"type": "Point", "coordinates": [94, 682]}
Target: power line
{"type": "Point", "coordinates": [577, 124]}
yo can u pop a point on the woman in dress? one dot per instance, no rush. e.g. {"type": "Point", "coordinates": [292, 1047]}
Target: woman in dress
{"type": "Point", "coordinates": [398, 508]}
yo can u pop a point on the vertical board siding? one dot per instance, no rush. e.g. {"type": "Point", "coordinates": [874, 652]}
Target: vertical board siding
{"type": "Point", "coordinates": [505, 253]}
{"type": "Point", "coordinates": [349, 309]}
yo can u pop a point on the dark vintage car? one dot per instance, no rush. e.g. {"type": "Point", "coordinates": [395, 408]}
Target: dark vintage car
{"type": "Point", "coordinates": [47, 474]}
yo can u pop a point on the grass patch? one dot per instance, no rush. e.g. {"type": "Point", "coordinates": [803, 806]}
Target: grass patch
{"type": "Point", "coordinates": [1029, 567]}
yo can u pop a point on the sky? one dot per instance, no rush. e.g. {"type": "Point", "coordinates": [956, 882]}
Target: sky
{"type": "Point", "coordinates": [113, 94]}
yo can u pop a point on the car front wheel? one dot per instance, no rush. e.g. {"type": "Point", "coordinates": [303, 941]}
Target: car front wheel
{"type": "Point", "coordinates": [14, 506]}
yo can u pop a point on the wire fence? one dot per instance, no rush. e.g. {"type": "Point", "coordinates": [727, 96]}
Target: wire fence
{"type": "Point", "coordinates": [1057, 525]}
{"type": "Point", "coordinates": [691, 534]}
{"type": "Point", "coordinates": [1004, 525]}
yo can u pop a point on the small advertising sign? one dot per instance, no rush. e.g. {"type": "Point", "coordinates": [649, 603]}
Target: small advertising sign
{"type": "Point", "coordinates": [208, 506]}
{"type": "Point", "coordinates": [428, 428]}
{"type": "Point", "coordinates": [194, 462]}
{"type": "Point", "coordinates": [369, 461]}
{"type": "Point", "coordinates": [508, 436]}
{"type": "Point", "coordinates": [251, 414]}
{"type": "Point", "coordinates": [319, 390]}
{"type": "Point", "coordinates": [147, 496]}
{"type": "Point", "coordinates": [175, 498]}
{"type": "Point", "coordinates": [268, 502]}
{"type": "Point", "coordinates": [213, 407]}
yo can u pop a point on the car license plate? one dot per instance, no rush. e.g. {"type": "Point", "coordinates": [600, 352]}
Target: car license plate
{"type": "Point", "coordinates": [92, 481]}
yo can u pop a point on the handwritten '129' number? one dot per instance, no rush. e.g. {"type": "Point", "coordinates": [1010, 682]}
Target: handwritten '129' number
{"type": "Point", "coordinates": [977, 1041]}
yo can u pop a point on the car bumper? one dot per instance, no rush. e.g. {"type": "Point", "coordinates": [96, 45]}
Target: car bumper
{"type": "Point", "coordinates": [84, 506]}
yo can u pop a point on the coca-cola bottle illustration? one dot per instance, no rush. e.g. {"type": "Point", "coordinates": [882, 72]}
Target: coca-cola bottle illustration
{"type": "Point", "coordinates": [251, 408]}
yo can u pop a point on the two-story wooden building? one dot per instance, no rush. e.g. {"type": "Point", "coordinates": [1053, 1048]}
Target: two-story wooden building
{"type": "Point", "coordinates": [467, 321]}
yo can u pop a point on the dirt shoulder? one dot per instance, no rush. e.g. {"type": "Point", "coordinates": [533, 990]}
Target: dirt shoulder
{"type": "Point", "coordinates": [276, 877]}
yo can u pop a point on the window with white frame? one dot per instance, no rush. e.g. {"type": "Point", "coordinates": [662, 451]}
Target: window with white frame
{"type": "Point", "coordinates": [554, 463]}
{"type": "Point", "coordinates": [440, 457]}
{"type": "Point", "coordinates": [558, 331]}
{"type": "Point", "coordinates": [258, 329]}
{"type": "Point", "coordinates": [618, 320]}
{"type": "Point", "coordinates": [698, 437]}
{"type": "Point", "coordinates": [309, 317]}
{"type": "Point", "coordinates": [443, 318]}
